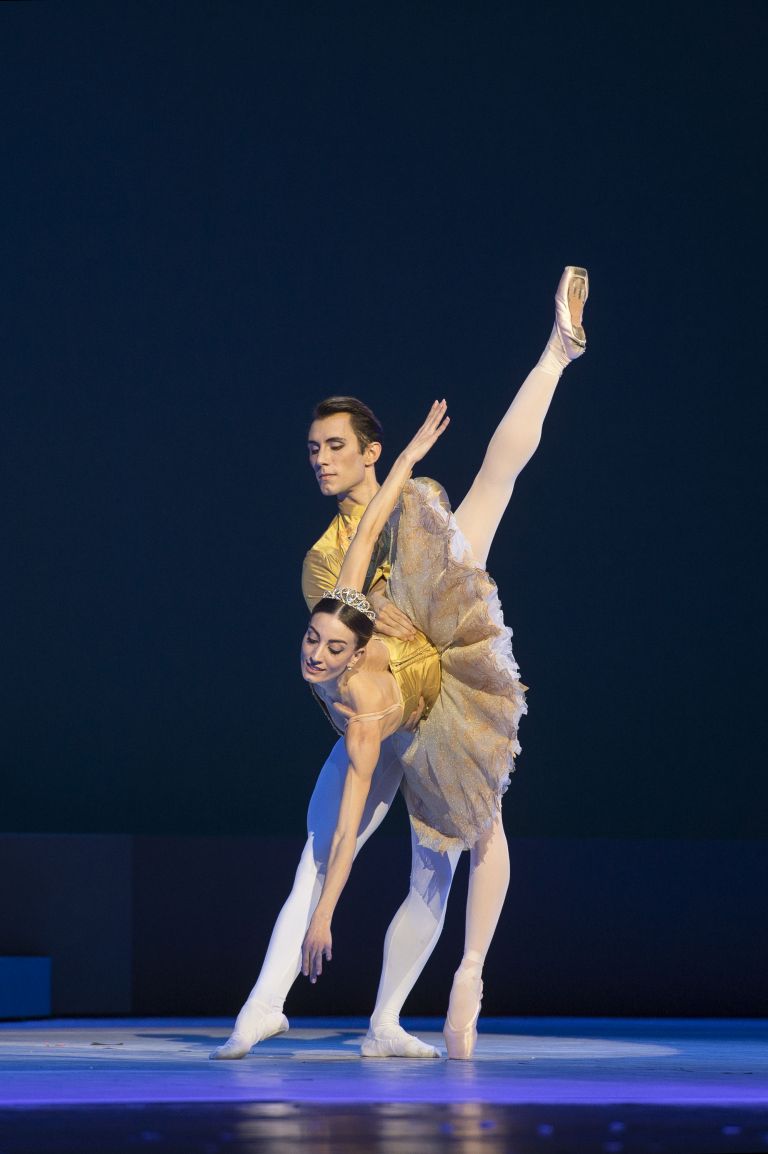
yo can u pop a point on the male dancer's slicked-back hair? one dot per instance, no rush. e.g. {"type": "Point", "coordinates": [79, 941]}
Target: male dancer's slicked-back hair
{"type": "Point", "coordinates": [365, 424]}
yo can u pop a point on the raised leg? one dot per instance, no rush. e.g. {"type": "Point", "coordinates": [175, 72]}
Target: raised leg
{"type": "Point", "coordinates": [517, 437]}
{"type": "Point", "coordinates": [410, 940]}
{"type": "Point", "coordinates": [478, 517]}
{"type": "Point", "coordinates": [262, 1014]}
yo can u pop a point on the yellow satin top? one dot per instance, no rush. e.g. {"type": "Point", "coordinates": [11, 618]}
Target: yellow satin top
{"type": "Point", "coordinates": [414, 664]}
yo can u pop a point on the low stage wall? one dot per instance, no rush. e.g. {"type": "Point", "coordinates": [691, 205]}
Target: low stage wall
{"type": "Point", "coordinates": [178, 925]}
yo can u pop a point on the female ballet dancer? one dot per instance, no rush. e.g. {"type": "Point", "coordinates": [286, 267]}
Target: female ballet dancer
{"type": "Point", "coordinates": [458, 763]}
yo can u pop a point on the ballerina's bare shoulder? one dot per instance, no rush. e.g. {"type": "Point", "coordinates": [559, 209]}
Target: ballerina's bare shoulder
{"type": "Point", "coordinates": [369, 691]}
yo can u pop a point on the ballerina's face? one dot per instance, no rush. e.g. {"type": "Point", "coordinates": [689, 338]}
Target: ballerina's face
{"type": "Point", "coordinates": [328, 648]}
{"type": "Point", "coordinates": [335, 455]}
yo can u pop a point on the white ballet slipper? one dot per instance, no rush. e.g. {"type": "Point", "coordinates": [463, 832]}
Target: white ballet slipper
{"type": "Point", "coordinates": [254, 1024]}
{"type": "Point", "coordinates": [395, 1042]}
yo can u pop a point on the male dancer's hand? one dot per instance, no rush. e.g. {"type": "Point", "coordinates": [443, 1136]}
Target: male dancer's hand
{"type": "Point", "coordinates": [415, 717]}
{"type": "Point", "coordinates": [390, 620]}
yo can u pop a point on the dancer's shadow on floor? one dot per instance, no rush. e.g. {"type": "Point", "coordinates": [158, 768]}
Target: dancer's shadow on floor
{"type": "Point", "coordinates": [284, 1046]}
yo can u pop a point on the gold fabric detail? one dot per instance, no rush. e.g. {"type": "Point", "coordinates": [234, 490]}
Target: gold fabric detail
{"type": "Point", "coordinates": [457, 764]}
{"type": "Point", "coordinates": [415, 666]}
{"type": "Point", "coordinates": [322, 563]}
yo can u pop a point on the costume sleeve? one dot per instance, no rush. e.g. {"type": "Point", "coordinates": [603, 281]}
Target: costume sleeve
{"type": "Point", "coordinates": [317, 577]}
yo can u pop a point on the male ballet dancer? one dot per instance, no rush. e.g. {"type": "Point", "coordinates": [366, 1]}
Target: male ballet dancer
{"type": "Point", "coordinates": [344, 446]}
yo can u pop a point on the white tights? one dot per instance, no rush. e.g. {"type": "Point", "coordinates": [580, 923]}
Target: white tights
{"type": "Point", "coordinates": [416, 926]}
{"type": "Point", "coordinates": [410, 938]}
{"type": "Point", "coordinates": [511, 447]}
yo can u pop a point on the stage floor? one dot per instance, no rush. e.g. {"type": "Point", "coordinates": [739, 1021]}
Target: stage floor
{"type": "Point", "coordinates": [553, 1085]}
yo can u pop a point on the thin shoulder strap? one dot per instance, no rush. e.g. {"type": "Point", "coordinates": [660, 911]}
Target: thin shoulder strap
{"type": "Point", "coordinates": [374, 716]}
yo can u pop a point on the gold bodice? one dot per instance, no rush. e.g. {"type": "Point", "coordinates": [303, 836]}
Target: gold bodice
{"type": "Point", "coordinates": [414, 664]}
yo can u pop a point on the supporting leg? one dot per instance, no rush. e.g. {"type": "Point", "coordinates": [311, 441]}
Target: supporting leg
{"type": "Point", "coordinates": [488, 884]}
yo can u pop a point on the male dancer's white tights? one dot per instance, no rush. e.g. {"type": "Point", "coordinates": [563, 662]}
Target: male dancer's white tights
{"type": "Point", "coordinates": [410, 938]}
{"type": "Point", "coordinates": [416, 926]}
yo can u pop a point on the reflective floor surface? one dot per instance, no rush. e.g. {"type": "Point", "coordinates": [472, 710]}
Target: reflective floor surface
{"type": "Point", "coordinates": [556, 1085]}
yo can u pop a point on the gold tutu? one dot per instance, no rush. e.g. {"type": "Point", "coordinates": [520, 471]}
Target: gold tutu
{"type": "Point", "coordinates": [458, 762]}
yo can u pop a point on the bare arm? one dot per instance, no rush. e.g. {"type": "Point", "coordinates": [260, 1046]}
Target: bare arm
{"type": "Point", "coordinates": [363, 741]}
{"type": "Point", "coordinates": [374, 518]}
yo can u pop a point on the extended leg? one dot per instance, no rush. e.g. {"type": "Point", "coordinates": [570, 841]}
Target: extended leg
{"type": "Point", "coordinates": [410, 940]}
{"type": "Point", "coordinates": [517, 437]}
{"type": "Point", "coordinates": [262, 1015]}
{"type": "Point", "coordinates": [488, 884]}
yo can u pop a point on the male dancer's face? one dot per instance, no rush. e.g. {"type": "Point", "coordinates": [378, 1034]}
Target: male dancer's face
{"type": "Point", "coordinates": [335, 456]}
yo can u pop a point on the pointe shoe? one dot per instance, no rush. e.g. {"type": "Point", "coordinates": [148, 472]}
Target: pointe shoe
{"type": "Point", "coordinates": [567, 341]}
{"type": "Point", "coordinates": [395, 1042]}
{"type": "Point", "coordinates": [460, 1041]}
{"type": "Point", "coordinates": [259, 1027]}
{"type": "Point", "coordinates": [570, 298]}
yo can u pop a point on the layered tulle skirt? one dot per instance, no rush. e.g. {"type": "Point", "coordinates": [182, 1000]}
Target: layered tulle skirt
{"type": "Point", "coordinates": [458, 763]}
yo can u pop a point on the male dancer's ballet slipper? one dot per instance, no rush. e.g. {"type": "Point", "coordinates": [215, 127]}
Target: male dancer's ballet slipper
{"type": "Point", "coordinates": [567, 340]}
{"type": "Point", "coordinates": [259, 1024]}
{"type": "Point", "coordinates": [395, 1042]}
{"type": "Point", "coordinates": [466, 993]}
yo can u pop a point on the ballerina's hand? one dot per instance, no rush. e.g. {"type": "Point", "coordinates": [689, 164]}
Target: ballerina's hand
{"type": "Point", "coordinates": [317, 945]}
{"type": "Point", "coordinates": [434, 426]}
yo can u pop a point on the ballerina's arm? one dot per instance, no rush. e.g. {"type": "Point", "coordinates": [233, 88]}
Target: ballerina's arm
{"type": "Point", "coordinates": [358, 556]}
{"type": "Point", "coordinates": [363, 741]}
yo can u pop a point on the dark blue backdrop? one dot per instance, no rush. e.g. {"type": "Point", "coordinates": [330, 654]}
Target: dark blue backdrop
{"type": "Point", "coordinates": [215, 213]}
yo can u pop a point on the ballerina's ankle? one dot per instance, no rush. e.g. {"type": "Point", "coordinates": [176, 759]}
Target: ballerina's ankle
{"type": "Point", "coordinates": [466, 993]}
{"type": "Point", "coordinates": [471, 965]}
{"type": "Point", "coordinates": [554, 358]}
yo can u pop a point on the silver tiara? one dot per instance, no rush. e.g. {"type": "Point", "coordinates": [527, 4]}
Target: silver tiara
{"type": "Point", "coordinates": [354, 599]}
